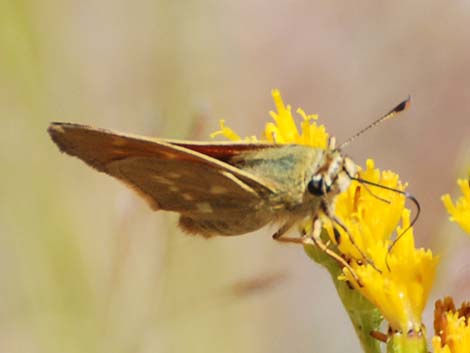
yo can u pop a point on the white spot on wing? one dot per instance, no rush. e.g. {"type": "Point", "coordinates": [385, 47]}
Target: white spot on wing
{"type": "Point", "coordinates": [163, 180]}
{"type": "Point", "coordinates": [169, 155]}
{"type": "Point", "coordinates": [217, 189]}
{"type": "Point", "coordinates": [187, 197]}
{"type": "Point", "coordinates": [204, 207]}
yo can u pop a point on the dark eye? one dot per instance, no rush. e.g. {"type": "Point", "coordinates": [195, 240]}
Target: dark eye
{"type": "Point", "coordinates": [315, 186]}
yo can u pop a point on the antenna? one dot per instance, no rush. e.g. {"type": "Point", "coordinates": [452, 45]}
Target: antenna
{"type": "Point", "coordinates": [392, 113]}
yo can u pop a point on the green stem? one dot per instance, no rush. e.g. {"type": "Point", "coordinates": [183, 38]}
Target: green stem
{"type": "Point", "coordinates": [407, 343]}
{"type": "Point", "coordinates": [365, 317]}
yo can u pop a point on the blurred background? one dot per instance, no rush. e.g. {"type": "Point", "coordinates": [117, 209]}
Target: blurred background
{"type": "Point", "coordinates": [86, 266]}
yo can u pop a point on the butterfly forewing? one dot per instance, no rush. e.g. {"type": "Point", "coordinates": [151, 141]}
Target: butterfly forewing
{"type": "Point", "coordinates": [170, 176]}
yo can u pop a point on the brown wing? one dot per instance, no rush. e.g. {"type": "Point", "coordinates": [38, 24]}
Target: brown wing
{"type": "Point", "coordinates": [171, 175]}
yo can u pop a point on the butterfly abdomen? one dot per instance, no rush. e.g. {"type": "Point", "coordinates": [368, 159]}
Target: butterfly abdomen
{"type": "Point", "coordinates": [226, 227]}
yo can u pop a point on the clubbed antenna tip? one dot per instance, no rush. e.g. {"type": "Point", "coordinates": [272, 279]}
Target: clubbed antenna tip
{"type": "Point", "coordinates": [401, 107]}
{"type": "Point", "coordinates": [392, 113]}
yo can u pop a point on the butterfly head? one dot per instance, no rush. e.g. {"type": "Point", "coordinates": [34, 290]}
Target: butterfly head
{"type": "Point", "coordinates": [335, 175]}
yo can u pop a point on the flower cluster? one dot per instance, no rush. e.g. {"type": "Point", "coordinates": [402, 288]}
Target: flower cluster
{"type": "Point", "coordinates": [395, 276]}
{"type": "Point", "coordinates": [284, 129]}
{"type": "Point", "coordinates": [460, 211]}
{"type": "Point", "coordinates": [452, 327]}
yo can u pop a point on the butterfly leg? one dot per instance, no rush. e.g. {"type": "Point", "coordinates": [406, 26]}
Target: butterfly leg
{"type": "Point", "coordinates": [283, 230]}
{"type": "Point", "coordinates": [315, 239]}
{"type": "Point", "coordinates": [336, 220]}
{"type": "Point", "coordinates": [379, 336]}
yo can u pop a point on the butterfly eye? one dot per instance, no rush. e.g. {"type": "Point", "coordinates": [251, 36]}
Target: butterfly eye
{"type": "Point", "coordinates": [315, 186]}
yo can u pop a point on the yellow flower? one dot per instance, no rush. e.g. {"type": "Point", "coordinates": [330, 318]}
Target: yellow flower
{"type": "Point", "coordinates": [396, 279]}
{"type": "Point", "coordinates": [452, 327]}
{"type": "Point", "coordinates": [284, 129]}
{"type": "Point", "coordinates": [460, 212]}
{"type": "Point", "coordinates": [370, 214]}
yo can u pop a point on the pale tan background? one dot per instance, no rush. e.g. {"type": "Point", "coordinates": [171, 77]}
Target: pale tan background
{"type": "Point", "coordinates": [85, 266]}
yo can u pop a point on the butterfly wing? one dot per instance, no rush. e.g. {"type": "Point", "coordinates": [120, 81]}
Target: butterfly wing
{"type": "Point", "coordinates": [171, 175]}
